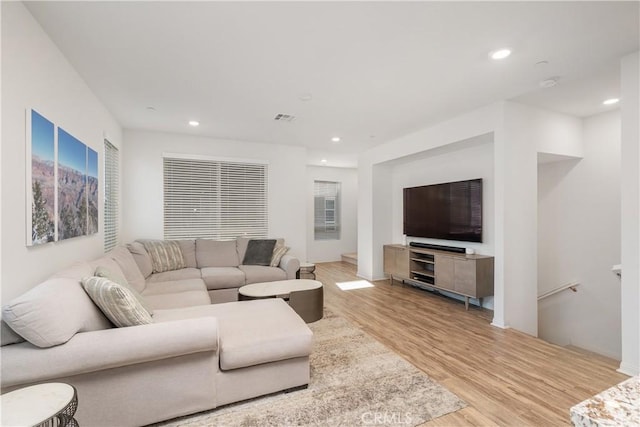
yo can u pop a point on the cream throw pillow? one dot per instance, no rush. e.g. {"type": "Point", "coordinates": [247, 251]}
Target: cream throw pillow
{"type": "Point", "coordinates": [120, 280]}
{"type": "Point", "coordinates": [117, 302]}
{"type": "Point", "coordinates": [166, 255]}
{"type": "Point", "coordinates": [278, 253]}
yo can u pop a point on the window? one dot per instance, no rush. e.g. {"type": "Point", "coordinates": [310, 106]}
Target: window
{"type": "Point", "coordinates": [111, 174]}
{"type": "Point", "coordinates": [214, 199]}
{"type": "Point", "coordinates": [326, 221]}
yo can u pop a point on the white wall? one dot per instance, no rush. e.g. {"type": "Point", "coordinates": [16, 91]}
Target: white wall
{"type": "Point", "coordinates": [36, 75]}
{"type": "Point", "coordinates": [331, 250]}
{"type": "Point", "coordinates": [579, 240]}
{"type": "Point", "coordinates": [630, 297]}
{"type": "Point", "coordinates": [142, 174]}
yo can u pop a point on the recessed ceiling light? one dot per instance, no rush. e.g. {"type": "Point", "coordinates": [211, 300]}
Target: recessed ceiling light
{"type": "Point", "coordinates": [305, 97]}
{"type": "Point", "coordinates": [323, 161]}
{"type": "Point", "coordinates": [335, 139]}
{"type": "Point", "coordinates": [500, 53]}
{"type": "Point", "coordinates": [194, 123]}
{"type": "Point", "coordinates": [151, 108]}
{"type": "Point", "coordinates": [611, 101]}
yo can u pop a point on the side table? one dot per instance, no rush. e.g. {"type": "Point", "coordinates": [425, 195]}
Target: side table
{"type": "Point", "coordinates": [41, 405]}
{"type": "Point", "coordinates": [306, 271]}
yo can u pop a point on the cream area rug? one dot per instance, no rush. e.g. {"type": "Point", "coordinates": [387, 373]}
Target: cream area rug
{"type": "Point", "coordinates": [355, 381]}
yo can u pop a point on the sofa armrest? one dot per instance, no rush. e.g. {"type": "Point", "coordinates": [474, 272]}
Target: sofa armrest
{"type": "Point", "coordinates": [94, 351]}
{"type": "Point", "coordinates": [290, 265]}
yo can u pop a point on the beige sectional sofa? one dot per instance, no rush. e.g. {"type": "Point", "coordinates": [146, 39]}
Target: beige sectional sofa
{"type": "Point", "coordinates": [195, 355]}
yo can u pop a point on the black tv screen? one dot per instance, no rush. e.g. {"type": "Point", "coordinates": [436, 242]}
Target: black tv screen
{"type": "Point", "coordinates": [449, 211]}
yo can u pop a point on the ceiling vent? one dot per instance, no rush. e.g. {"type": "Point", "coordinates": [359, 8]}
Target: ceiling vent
{"type": "Point", "coordinates": [284, 118]}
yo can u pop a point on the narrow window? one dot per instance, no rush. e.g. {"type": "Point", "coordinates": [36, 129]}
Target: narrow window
{"type": "Point", "coordinates": [326, 196]}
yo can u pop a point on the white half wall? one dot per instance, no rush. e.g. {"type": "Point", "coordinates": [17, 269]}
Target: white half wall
{"type": "Point", "coordinates": [579, 240]}
{"type": "Point", "coordinates": [630, 297]}
{"type": "Point", "coordinates": [36, 75]}
{"type": "Point", "coordinates": [331, 250]}
{"type": "Point", "coordinates": [143, 188]}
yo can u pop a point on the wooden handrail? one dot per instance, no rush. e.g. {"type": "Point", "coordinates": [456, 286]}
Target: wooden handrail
{"type": "Point", "coordinates": [570, 285]}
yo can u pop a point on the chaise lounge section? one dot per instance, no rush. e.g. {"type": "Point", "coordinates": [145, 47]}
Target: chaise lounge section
{"type": "Point", "coordinates": [194, 356]}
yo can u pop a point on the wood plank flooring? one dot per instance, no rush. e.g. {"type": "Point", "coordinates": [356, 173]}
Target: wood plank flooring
{"type": "Point", "coordinates": [507, 378]}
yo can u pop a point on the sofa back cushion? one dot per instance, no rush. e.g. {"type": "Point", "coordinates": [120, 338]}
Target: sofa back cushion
{"type": "Point", "coordinates": [142, 258]}
{"type": "Point", "coordinates": [166, 255]}
{"type": "Point", "coordinates": [215, 253]}
{"type": "Point", "coordinates": [188, 248]}
{"type": "Point", "coordinates": [53, 312]}
{"type": "Point", "coordinates": [132, 273]}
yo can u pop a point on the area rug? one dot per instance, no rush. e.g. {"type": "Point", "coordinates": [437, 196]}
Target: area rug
{"type": "Point", "coordinates": [355, 381]}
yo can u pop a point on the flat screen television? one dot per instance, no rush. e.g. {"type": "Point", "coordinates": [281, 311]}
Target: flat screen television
{"type": "Point", "coordinates": [449, 211]}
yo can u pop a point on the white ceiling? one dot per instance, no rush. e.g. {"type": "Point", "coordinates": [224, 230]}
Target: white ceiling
{"type": "Point", "coordinates": [375, 70]}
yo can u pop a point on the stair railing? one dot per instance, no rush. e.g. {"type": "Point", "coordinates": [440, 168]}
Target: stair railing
{"type": "Point", "coordinates": [570, 285]}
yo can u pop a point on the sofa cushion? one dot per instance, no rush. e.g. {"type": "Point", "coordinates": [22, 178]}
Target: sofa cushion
{"type": "Point", "coordinates": [173, 287]}
{"type": "Point", "coordinates": [259, 252]}
{"type": "Point", "coordinates": [215, 253]}
{"type": "Point", "coordinates": [170, 276]}
{"type": "Point", "coordinates": [166, 255]}
{"type": "Point", "coordinates": [117, 277]}
{"type": "Point", "coordinates": [188, 248]}
{"type": "Point", "coordinates": [117, 302]}
{"type": "Point", "coordinates": [222, 277]}
{"type": "Point", "coordinates": [252, 332]}
{"type": "Point", "coordinates": [53, 312]}
{"type": "Point", "coordinates": [259, 273]}
{"type": "Point", "coordinates": [132, 273]}
{"type": "Point", "coordinates": [142, 258]}
{"type": "Point", "coordinates": [177, 300]}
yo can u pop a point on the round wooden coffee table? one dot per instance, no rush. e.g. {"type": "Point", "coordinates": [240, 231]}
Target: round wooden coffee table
{"type": "Point", "coordinates": [49, 404]}
{"type": "Point", "coordinates": [305, 296]}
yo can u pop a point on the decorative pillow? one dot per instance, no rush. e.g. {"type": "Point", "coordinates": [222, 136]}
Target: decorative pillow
{"type": "Point", "coordinates": [116, 302]}
{"type": "Point", "coordinates": [278, 253]}
{"type": "Point", "coordinates": [120, 280]}
{"type": "Point", "coordinates": [166, 255]}
{"type": "Point", "coordinates": [259, 252]}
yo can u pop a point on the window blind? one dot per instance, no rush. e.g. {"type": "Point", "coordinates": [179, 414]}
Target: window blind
{"type": "Point", "coordinates": [111, 197]}
{"type": "Point", "coordinates": [214, 199]}
{"type": "Point", "coordinates": [326, 210]}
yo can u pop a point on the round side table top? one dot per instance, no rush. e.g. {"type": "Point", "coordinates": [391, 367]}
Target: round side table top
{"type": "Point", "coordinates": [35, 404]}
{"type": "Point", "coordinates": [307, 265]}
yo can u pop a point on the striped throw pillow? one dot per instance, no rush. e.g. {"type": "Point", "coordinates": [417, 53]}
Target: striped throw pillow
{"type": "Point", "coordinates": [116, 302]}
{"type": "Point", "coordinates": [278, 253]}
{"type": "Point", "coordinates": [120, 280]}
{"type": "Point", "coordinates": [166, 255]}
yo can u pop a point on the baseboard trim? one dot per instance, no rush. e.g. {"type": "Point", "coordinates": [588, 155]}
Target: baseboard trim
{"type": "Point", "coordinates": [628, 369]}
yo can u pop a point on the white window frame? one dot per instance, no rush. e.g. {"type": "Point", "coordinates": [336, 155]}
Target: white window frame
{"type": "Point", "coordinates": [214, 197]}
{"type": "Point", "coordinates": [327, 210]}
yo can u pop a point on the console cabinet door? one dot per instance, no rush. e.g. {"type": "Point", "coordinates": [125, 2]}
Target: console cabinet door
{"type": "Point", "coordinates": [444, 272]}
{"type": "Point", "coordinates": [396, 261]}
{"type": "Point", "coordinates": [465, 277]}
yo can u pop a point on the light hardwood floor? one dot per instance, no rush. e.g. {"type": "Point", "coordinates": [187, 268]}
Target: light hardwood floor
{"type": "Point", "coordinates": [507, 378]}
